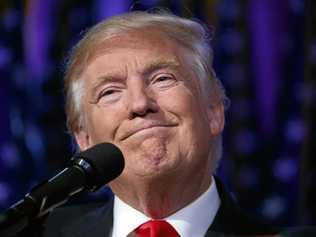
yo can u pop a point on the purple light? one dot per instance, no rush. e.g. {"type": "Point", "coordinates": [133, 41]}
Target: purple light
{"type": "Point", "coordinates": [149, 3]}
{"type": "Point", "coordinates": [11, 19]}
{"type": "Point", "coordinates": [105, 9]}
{"type": "Point", "coordinates": [295, 130]}
{"type": "Point", "coordinates": [4, 120]}
{"type": "Point", "coordinates": [9, 154]}
{"type": "Point", "coordinates": [37, 36]}
{"type": "Point", "coordinates": [285, 169]}
{"type": "Point", "coordinates": [273, 207]}
{"type": "Point", "coordinates": [312, 53]}
{"type": "Point", "coordinates": [4, 193]}
{"type": "Point", "coordinates": [267, 21]}
{"type": "Point", "coordinates": [229, 10]}
{"type": "Point", "coordinates": [297, 6]}
{"type": "Point", "coordinates": [34, 142]}
{"type": "Point", "coordinates": [16, 123]}
{"type": "Point", "coordinates": [245, 142]}
{"type": "Point", "coordinates": [5, 56]}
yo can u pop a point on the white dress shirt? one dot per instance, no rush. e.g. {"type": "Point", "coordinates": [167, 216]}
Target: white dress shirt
{"type": "Point", "coordinates": [190, 221]}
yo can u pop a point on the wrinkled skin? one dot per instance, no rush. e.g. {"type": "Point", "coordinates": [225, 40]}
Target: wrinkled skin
{"type": "Point", "coordinates": [142, 95]}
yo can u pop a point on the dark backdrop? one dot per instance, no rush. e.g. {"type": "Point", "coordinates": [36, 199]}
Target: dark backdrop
{"type": "Point", "coordinates": [265, 54]}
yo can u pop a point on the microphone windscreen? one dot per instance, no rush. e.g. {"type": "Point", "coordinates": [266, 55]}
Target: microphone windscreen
{"type": "Point", "coordinates": [107, 162]}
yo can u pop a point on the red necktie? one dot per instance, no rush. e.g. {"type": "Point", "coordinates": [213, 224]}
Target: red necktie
{"type": "Point", "coordinates": [156, 228]}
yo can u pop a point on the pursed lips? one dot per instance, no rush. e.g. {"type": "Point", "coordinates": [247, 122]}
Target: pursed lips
{"type": "Point", "coordinates": [145, 126]}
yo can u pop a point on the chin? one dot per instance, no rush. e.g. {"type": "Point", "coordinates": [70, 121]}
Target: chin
{"type": "Point", "coordinates": [153, 150]}
{"type": "Point", "coordinates": [153, 167]}
{"type": "Point", "coordinates": [152, 157]}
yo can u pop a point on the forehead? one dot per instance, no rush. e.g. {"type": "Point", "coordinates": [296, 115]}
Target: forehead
{"type": "Point", "coordinates": [141, 43]}
{"type": "Point", "coordinates": [143, 53]}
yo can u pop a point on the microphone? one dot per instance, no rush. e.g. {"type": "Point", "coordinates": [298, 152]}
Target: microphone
{"type": "Point", "coordinates": [88, 171]}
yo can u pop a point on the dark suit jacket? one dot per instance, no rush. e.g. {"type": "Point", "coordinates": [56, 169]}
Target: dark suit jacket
{"type": "Point", "coordinates": [96, 221]}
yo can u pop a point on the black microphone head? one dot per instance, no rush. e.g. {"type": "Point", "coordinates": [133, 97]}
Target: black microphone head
{"type": "Point", "coordinates": [106, 162]}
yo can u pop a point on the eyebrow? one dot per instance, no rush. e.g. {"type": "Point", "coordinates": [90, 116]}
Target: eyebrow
{"type": "Point", "coordinates": [101, 80]}
{"type": "Point", "coordinates": [150, 68]}
{"type": "Point", "coordinates": [160, 64]}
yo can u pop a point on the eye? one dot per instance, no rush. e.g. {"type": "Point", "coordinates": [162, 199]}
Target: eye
{"type": "Point", "coordinates": [109, 95]}
{"type": "Point", "coordinates": [164, 80]}
{"type": "Point", "coordinates": [107, 92]}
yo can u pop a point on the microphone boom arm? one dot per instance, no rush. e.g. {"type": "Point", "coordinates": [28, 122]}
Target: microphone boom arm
{"type": "Point", "coordinates": [89, 170]}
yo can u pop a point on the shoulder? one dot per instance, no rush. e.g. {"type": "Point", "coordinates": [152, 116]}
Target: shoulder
{"type": "Point", "coordinates": [231, 219]}
{"type": "Point", "coordinates": [72, 216]}
{"type": "Point", "coordinates": [71, 220]}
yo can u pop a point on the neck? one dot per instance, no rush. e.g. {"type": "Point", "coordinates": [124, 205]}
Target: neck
{"type": "Point", "coordinates": [158, 199]}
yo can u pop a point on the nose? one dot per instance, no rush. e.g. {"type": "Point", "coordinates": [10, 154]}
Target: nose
{"type": "Point", "coordinates": [141, 102]}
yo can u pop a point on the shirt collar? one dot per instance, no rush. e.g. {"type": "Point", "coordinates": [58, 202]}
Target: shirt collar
{"type": "Point", "coordinates": [192, 220]}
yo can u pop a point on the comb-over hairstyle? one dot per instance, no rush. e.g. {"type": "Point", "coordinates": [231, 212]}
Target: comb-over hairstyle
{"type": "Point", "coordinates": [190, 34]}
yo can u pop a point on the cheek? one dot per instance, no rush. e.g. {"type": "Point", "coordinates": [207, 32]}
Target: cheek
{"type": "Point", "coordinates": [186, 104]}
{"type": "Point", "coordinates": [191, 111]}
{"type": "Point", "coordinates": [101, 124]}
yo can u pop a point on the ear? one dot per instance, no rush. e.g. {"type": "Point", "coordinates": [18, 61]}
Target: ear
{"type": "Point", "coordinates": [216, 118]}
{"type": "Point", "coordinates": [82, 139]}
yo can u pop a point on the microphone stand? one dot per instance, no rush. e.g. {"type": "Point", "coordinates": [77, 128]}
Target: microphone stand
{"type": "Point", "coordinates": [42, 199]}
{"type": "Point", "coordinates": [89, 170]}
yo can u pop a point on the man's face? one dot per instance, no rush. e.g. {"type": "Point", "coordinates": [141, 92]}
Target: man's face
{"type": "Point", "coordinates": [142, 95]}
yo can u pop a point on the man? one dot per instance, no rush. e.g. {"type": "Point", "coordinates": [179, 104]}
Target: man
{"type": "Point", "coordinates": [145, 83]}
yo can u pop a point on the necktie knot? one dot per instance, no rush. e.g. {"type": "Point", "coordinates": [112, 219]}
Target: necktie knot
{"type": "Point", "coordinates": [155, 228]}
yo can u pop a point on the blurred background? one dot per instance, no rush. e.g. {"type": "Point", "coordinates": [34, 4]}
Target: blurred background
{"type": "Point", "coordinates": [265, 54]}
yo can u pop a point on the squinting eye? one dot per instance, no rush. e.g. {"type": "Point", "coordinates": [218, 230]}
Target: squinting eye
{"type": "Point", "coordinates": [163, 78]}
{"type": "Point", "coordinates": [107, 92]}
{"type": "Point", "coordinates": [163, 81]}
{"type": "Point", "coordinates": [108, 96]}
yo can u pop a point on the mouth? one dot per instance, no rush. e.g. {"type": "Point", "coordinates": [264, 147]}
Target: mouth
{"type": "Point", "coordinates": [145, 128]}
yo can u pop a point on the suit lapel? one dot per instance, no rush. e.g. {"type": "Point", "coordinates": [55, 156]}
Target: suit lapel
{"type": "Point", "coordinates": [227, 217]}
{"type": "Point", "coordinates": [230, 220]}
